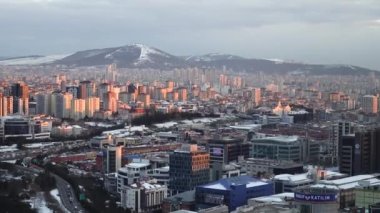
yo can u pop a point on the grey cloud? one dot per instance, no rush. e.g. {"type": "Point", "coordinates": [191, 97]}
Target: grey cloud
{"type": "Point", "coordinates": [312, 31]}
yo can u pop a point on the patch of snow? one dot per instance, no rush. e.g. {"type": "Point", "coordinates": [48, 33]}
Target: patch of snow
{"type": "Point", "coordinates": [166, 124]}
{"type": "Point", "coordinates": [145, 51]}
{"type": "Point", "coordinates": [39, 203]}
{"type": "Point", "coordinates": [33, 60]}
{"type": "Point", "coordinates": [54, 194]}
{"type": "Point", "coordinates": [11, 148]}
{"type": "Point", "coordinates": [276, 60]}
{"type": "Point", "coordinates": [110, 55]}
{"type": "Point", "coordinates": [94, 53]}
{"type": "Point", "coordinates": [9, 161]}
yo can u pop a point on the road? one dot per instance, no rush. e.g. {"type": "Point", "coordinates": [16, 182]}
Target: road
{"type": "Point", "coordinates": [67, 195]}
{"type": "Point", "coordinates": [66, 192]}
{"type": "Point", "coordinates": [33, 152]}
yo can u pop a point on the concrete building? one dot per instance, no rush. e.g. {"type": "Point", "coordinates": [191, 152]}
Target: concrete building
{"type": "Point", "coordinates": [92, 105]}
{"type": "Point", "coordinates": [28, 128]}
{"type": "Point", "coordinates": [369, 104]}
{"type": "Point", "coordinates": [78, 109]}
{"type": "Point", "coordinates": [86, 89]}
{"type": "Point", "coordinates": [144, 197]}
{"type": "Point", "coordinates": [288, 182]}
{"type": "Point", "coordinates": [160, 174]}
{"type": "Point", "coordinates": [267, 167]}
{"type": "Point", "coordinates": [110, 102]}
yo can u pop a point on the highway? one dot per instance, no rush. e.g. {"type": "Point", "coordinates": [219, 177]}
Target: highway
{"type": "Point", "coordinates": [33, 152]}
{"type": "Point", "coordinates": [67, 195]}
{"type": "Point", "coordinates": [66, 192]}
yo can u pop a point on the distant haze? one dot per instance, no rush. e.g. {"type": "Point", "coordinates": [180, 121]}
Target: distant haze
{"type": "Point", "coordinates": [312, 31]}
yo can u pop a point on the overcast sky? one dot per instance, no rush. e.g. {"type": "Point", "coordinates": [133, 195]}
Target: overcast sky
{"type": "Point", "coordinates": [313, 31]}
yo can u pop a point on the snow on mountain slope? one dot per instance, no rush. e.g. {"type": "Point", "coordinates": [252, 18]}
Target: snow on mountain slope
{"type": "Point", "coordinates": [32, 60]}
{"type": "Point", "coordinates": [213, 57]}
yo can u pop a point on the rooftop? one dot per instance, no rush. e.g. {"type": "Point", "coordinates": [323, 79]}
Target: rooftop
{"type": "Point", "coordinates": [277, 198]}
{"type": "Point", "coordinates": [280, 139]}
{"type": "Point", "coordinates": [188, 196]}
{"type": "Point", "coordinates": [225, 184]}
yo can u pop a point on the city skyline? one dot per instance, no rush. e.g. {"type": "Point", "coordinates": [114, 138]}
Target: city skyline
{"type": "Point", "coordinates": [344, 32]}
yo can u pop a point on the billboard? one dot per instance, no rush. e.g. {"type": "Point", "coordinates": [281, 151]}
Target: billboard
{"type": "Point", "coordinates": [315, 197]}
{"type": "Point", "coordinates": [216, 151]}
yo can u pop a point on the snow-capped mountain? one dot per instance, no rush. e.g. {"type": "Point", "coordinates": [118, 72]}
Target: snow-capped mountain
{"type": "Point", "coordinates": [212, 57]}
{"type": "Point", "coordinates": [142, 56]}
{"type": "Point", "coordinates": [31, 60]}
{"type": "Point", "coordinates": [136, 55]}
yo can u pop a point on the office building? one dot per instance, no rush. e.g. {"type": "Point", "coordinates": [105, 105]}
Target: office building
{"type": "Point", "coordinates": [277, 148]}
{"type": "Point", "coordinates": [223, 151]}
{"type": "Point", "coordinates": [20, 93]}
{"type": "Point", "coordinates": [359, 152]}
{"type": "Point", "coordinates": [188, 168]}
{"type": "Point", "coordinates": [338, 130]}
{"type": "Point", "coordinates": [112, 156]}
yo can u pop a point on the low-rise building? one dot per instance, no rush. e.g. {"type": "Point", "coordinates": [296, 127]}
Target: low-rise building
{"type": "Point", "coordinates": [144, 196]}
{"type": "Point", "coordinates": [233, 192]}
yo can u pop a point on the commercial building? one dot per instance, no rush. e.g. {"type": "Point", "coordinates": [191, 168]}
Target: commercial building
{"type": "Point", "coordinates": [112, 156]}
{"type": "Point", "coordinates": [310, 200]}
{"type": "Point", "coordinates": [332, 195]}
{"type": "Point", "coordinates": [359, 152]}
{"type": "Point", "coordinates": [226, 150]}
{"type": "Point", "coordinates": [189, 167]}
{"type": "Point", "coordinates": [223, 151]}
{"type": "Point", "coordinates": [233, 192]}
{"type": "Point", "coordinates": [133, 172]}
{"type": "Point", "coordinates": [338, 130]}
{"type": "Point", "coordinates": [160, 174]}
{"type": "Point", "coordinates": [184, 201]}
{"type": "Point", "coordinates": [268, 167]}
{"type": "Point", "coordinates": [277, 148]}
{"type": "Point", "coordinates": [367, 195]}
{"type": "Point", "coordinates": [29, 128]}
{"type": "Point", "coordinates": [288, 182]}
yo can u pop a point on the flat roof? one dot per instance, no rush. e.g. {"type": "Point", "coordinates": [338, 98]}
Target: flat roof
{"type": "Point", "coordinates": [225, 184]}
{"type": "Point", "coordinates": [372, 181]}
{"type": "Point", "coordinates": [347, 180]}
{"type": "Point", "coordinates": [280, 138]}
{"type": "Point", "coordinates": [137, 165]}
{"type": "Point", "coordinates": [276, 198]}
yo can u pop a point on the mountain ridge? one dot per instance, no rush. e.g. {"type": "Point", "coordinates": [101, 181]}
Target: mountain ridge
{"type": "Point", "coordinates": [142, 56]}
